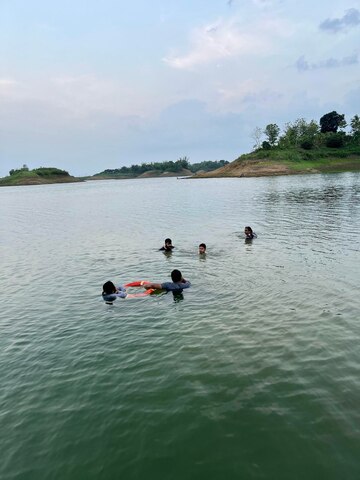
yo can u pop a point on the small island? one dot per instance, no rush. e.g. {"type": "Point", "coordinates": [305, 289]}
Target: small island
{"type": "Point", "coordinates": [37, 176]}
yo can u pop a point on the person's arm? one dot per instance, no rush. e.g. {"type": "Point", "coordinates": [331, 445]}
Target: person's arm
{"type": "Point", "coordinates": [121, 294]}
{"type": "Point", "coordinates": [185, 283]}
{"type": "Point", "coordinates": [156, 286]}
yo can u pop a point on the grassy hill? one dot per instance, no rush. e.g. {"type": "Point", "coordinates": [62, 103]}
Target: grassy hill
{"type": "Point", "coordinates": [277, 161]}
{"type": "Point", "coordinates": [37, 176]}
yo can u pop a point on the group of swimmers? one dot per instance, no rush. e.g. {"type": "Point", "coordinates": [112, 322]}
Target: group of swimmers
{"type": "Point", "coordinates": [111, 292]}
{"type": "Point", "coordinates": [168, 247]}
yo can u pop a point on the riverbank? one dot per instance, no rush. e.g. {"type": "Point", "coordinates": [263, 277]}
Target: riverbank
{"type": "Point", "coordinates": [289, 162]}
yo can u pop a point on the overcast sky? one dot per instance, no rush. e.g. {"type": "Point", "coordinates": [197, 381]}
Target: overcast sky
{"type": "Point", "coordinates": [87, 85]}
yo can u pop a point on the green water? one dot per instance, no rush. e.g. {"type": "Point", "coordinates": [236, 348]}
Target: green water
{"type": "Point", "coordinates": [253, 374]}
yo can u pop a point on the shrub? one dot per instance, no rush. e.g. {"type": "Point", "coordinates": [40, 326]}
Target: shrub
{"type": "Point", "coordinates": [266, 145]}
{"type": "Point", "coordinates": [307, 144]}
{"type": "Point", "coordinates": [335, 141]}
{"type": "Point", "coordinates": [49, 171]}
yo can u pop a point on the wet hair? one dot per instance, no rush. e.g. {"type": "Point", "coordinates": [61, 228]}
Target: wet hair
{"type": "Point", "coordinates": [168, 240]}
{"type": "Point", "coordinates": [109, 288]}
{"type": "Point", "coordinates": [202, 245]}
{"type": "Point", "coordinates": [176, 276]}
{"type": "Point", "coordinates": [249, 228]}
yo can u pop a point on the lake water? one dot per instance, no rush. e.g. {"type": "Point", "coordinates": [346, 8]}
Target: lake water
{"type": "Point", "coordinates": [254, 374]}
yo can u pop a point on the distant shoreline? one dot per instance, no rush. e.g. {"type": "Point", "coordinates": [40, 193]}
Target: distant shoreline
{"type": "Point", "coordinates": [257, 164]}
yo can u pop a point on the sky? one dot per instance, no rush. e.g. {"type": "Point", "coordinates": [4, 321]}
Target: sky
{"type": "Point", "coordinates": [88, 85]}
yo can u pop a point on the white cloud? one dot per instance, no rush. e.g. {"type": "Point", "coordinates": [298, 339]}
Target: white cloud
{"type": "Point", "coordinates": [221, 40]}
{"type": "Point", "coordinates": [262, 3]}
{"type": "Point", "coordinates": [7, 85]}
{"type": "Point", "coordinates": [78, 96]}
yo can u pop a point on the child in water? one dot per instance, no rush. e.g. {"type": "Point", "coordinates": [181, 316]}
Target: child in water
{"type": "Point", "coordinates": [249, 234]}
{"type": "Point", "coordinates": [111, 292]}
{"type": "Point", "coordinates": [202, 249]}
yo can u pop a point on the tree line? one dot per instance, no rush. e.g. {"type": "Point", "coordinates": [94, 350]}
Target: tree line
{"type": "Point", "coordinates": [42, 171]}
{"type": "Point", "coordinates": [329, 132]}
{"type": "Point", "coordinates": [170, 166]}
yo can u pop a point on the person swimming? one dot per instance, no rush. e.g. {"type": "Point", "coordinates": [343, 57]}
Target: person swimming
{"type": "Point", "coordinates": [168, 246]}
{"type": "Point", "coordinates": [202, 249]}
{"type": "Point", "coordinates": [110, 292]}
{"type": "Point", "coordinates": [177, 285]}
{"type": "Point", "coordinates": [249, 234]}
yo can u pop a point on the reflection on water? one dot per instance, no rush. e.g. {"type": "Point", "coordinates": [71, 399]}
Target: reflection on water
{"type": "Point", "coordinates": [254, 369]}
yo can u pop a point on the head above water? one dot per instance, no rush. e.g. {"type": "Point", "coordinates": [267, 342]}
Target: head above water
{"type": "Point", "coordinates": [248, 231]}
{"type": "Point", "coordinates": [109, 288]}
{"type": "Point", "coordinates": [202, 248]}
{"type": "Point", "coordinates": [168, 245]}
{"type": "Point", "coordinates": [176, 276]}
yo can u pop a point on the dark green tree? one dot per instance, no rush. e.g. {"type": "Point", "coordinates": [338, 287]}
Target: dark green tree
{"type": "Point", "coordinates": [272, 133]}
{"type": "Point", "coordinates": [331, 122]}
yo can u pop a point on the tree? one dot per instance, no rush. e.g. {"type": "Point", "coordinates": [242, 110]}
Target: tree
{"type": "Point", "coordinates": [256, 136]}
{"type": "Point", "coordinates": [298, 132]}
{"type": "Point", "coordinates": [272, 132]}
{"type": "Point", "coordinates": [331, 122]}
{"type": "Point", "coordinates": [355, 125]}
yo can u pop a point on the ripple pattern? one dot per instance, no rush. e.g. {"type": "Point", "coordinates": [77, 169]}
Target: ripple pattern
{"type": "Point", "coordinates": [253, 373]}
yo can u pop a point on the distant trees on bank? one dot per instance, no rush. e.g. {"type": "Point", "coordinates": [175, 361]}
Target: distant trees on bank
{"type": "Point", "coordinates": [161, 167]}
{"type": "Point", "coordinates": [42, 171]}
{"type": "Point", "coordinates": [330, 132]}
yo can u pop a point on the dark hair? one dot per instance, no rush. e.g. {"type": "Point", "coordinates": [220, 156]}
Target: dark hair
{"type": "Point", "coordinates": [168, 240]}
{"type": "Point", "coordinates": [109, 288]}
{"type": "Point", "coordinates": [249, 228]}
{"type": "Point", "coordinates": [202, 245]}
{"type": "Point", "coordinates": [176, 276]}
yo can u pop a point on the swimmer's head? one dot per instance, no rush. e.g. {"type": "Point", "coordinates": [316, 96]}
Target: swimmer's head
{"type": "Point", "coordinates": [109, 288]}
{"type": "Point", "coordinates": [248, 231]}
{"type": "Point", "coordinates": [168, 245]}
{"type": "Point", "coordinates": [176, 276]}
{"type": "Point", "coordinates": [202, 248]}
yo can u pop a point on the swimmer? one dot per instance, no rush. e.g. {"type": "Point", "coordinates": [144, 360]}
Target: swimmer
{"type": "Point", "coordinates": [202, 249]}
{"type": "Point", "coordinates": [177, 285]}
{"type": "Point", "coordinates": [249, 234]}
{"type": "Point", "coordinates": [168, 246]}
{"type": "Point", "coordinates": [111, 292]}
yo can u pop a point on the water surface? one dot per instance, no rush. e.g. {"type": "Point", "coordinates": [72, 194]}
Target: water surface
{"type": "Point", "coordinates": [254, 374]}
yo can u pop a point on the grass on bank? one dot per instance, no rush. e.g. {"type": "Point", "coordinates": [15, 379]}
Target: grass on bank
{"type": "Point", "coordinates": [297, 159]}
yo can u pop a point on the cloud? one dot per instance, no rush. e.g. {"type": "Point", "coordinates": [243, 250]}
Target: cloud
{"type": "Point", "coordinates": [304, 66]}
{"type": "Point", "coordinates": [222, 40]}
{"type": "Point", "coordinates": [78, 96]}
{"type": "Point", "coordinates": [7, 86]}
{"type": "Point", "coordinates": [349, 20]}
{"type": "Point", "coordinates": [262, 3]}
